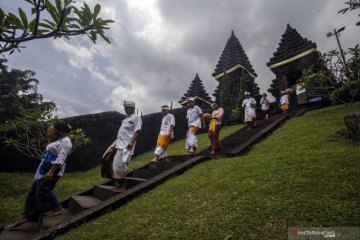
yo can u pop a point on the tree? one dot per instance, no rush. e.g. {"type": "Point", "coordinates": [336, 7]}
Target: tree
{"type": "Point", "coordinates": [351, 5]}
{"type": "Point", "coordinates": [24, 116]}
{"type": "Point", "coordinates": [333, 79]}
{"type": "Point", "coordinates": [225, 100]}
{"type": "Point", "coordinates": [30, 134]}
{"type": "Point", "coordinates": [59, 18]}
{"type": "Point", "coordinates": [18, 93]}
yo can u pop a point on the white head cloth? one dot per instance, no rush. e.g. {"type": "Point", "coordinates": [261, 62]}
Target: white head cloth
{"type": "Point", "coordinates": [129, 104]}
{"type": "Point", "coordinates": [247, 93]}
{"type": "Point", "coordinates": [191, 99]}
{"type": "Point", "coordinates": [165, 107]}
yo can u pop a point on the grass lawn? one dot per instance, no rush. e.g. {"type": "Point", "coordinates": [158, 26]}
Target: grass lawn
{"type": "Point", "coordinates": [304, 174]}
{"type": "Point", "coordinates": [14, 186]}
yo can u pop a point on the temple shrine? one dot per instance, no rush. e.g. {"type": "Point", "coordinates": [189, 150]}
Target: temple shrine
{"type": "Point", "coordinates": [197, 90]}
{"type": "Point", "coordinates": [234, 65]}
{"type": "Point", "coordinates": [289, 62]}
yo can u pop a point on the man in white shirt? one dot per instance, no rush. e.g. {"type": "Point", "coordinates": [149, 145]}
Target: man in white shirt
{"type": "Point", "coordinates": [166, 133]}
{"type": "Point", "coordinates": [249, 104]}
{"type": "Point", "coordinates": [40, 198]}
{"type": "Point", "coordinates": [125, 143]}
{"type": "Point", "coordinates": [194, 116]}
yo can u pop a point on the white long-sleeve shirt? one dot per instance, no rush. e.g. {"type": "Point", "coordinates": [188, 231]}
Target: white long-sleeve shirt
{"type": "Point", "coordinates": [284, 99]}
{"type": "Point", "coordinates": [166, 122]}
{"type": "Point", "coordinates": [61, 148]}
{"type": "Point", "coordinates": [129, 126]}
{"type": "Point", "coordinates": [193, 116]}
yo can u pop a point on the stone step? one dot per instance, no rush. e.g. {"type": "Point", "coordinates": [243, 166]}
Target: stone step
{"type": "Point", "coordinates": [24, 232]}
{"type": "Point", "coordinates": [104, 191]}
{"type": "Point", "coordinates": [143, 173]}
{"type": "Point", "coordinates": [79, 203]}
{"type": "Point", "coordinates": [131, 182]}
{"type": "Point", "coordinates": [179, 158]}
{"type": "Point", "coordinates": [135, 179]}
{"type": "Point", "coordinates": [161, 166]}
{"type": "Point", "coordinates": [47, 222]}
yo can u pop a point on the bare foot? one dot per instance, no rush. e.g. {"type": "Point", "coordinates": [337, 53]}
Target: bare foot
{"type": "Point", "coordinates": [191, 150]}
{"type": "Point", "coordinates": [153, 160]}
{"type": "Point", "coordinates": [21, 220]}
{"type": "Point", "coordinates": [56, 212]}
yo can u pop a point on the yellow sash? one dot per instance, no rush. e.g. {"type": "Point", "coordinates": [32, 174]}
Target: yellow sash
{"type": "Point", "coordinates": [163, 141]}
{"type": "Point", "coordinates": [212, 125]}
{"type": "Point", "coordinates": [284, 106]}
{"type": "Point", "coordinates": [193, 129]}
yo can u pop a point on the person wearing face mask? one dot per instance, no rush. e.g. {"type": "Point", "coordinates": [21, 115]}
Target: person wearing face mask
{"type": "Point", "coordinates": [40, 198]}
{"type": "Point", "coordinates": [249, 104]}
{"type": "Point", "coordinates": [128, 133]}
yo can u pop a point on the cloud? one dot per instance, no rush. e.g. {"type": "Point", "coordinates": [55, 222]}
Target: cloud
{"type": "Point", "coordinates": [65, 111]}
{"type": "Point", "coordinates": [82, 57]}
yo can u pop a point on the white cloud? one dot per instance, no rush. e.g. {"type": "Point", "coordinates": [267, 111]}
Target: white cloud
{"type": "Point", "coordinates": [82, 57]}
{"type": "Point", "coordinates": [67, 111]}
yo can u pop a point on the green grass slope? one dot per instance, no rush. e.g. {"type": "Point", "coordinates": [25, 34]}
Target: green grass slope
{"type": "Point", "coordinates": [304, 174]}
{"type": "Point", "coordinates": [14, 186]}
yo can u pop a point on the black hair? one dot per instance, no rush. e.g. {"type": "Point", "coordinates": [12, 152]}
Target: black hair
{"type": "Point", "coordinates": [62, 126]}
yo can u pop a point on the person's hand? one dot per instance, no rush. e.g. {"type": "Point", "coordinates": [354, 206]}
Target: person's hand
{"type": "Point", "coordinates": [130, 146]}
{"type": "Point", "coordinates": [49, 174]}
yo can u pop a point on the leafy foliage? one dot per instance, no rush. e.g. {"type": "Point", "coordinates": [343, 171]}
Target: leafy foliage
{"type": "Point", "coordinates": [18, 93]}
{"type": "Point", "coordinates": [29, 134]}
{"type": "Point", "coordinates": [24, 116]}
{"type": "Point", "coordinates": [351, 5]}
{"type": "Point", "coordinates": [59, 18]}
{"type": "Point", "coordinates": [225, 100]}
{"type": "Point", "coordinates": [341, 81]}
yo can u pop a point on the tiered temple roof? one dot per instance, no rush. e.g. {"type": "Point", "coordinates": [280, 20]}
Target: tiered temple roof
{"type": "Point", "coordinates": [235, 64]}
{"type": "Point", "coordinates": [196, 90]}
{"type": "Point", "coordinates": [293, 56]}
{"type": "Point", "coordinates": [291, 46]}
{"type": "Point", "coordinates": [233, 56]}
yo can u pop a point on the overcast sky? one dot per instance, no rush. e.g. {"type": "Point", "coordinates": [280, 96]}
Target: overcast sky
{"type": "Point", "coordinates": [158, 46]}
